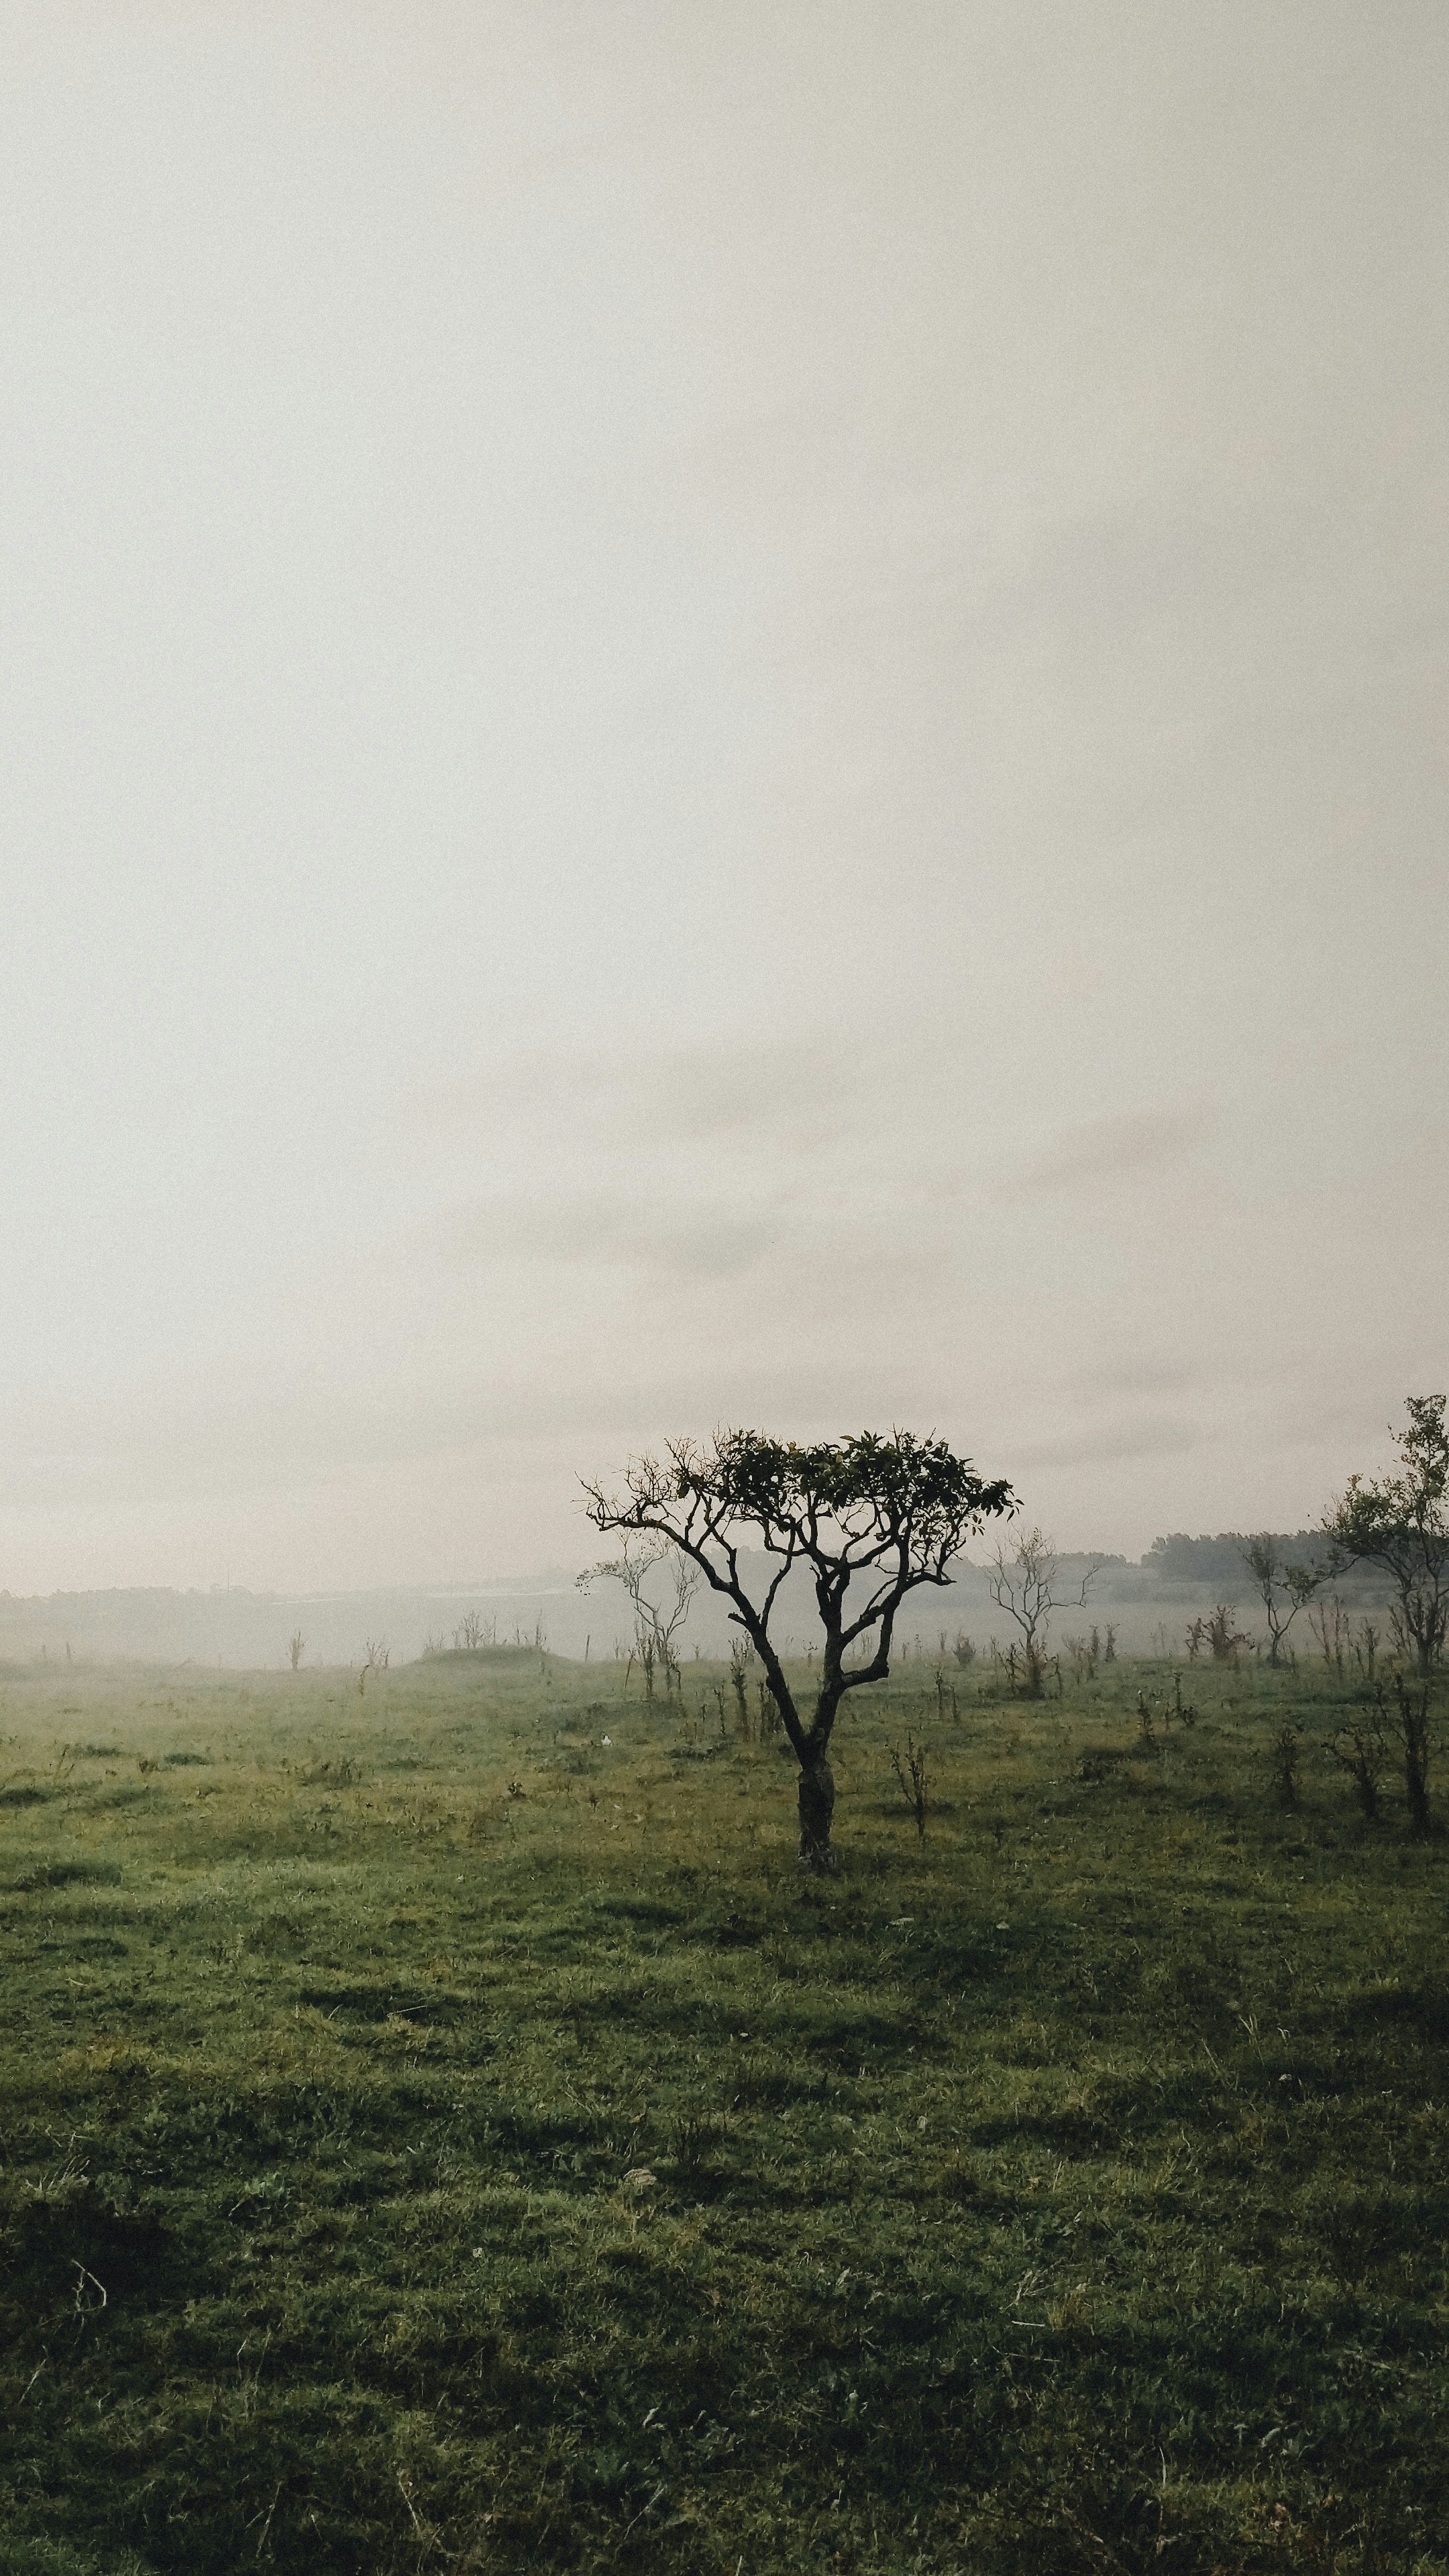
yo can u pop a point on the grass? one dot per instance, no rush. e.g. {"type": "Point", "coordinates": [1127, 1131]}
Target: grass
{"type": "Point", "coordinates": [434, 2137]}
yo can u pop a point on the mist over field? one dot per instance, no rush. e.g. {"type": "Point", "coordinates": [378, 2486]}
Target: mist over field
{"type": "Point", "coordinates": [1149, 1605]}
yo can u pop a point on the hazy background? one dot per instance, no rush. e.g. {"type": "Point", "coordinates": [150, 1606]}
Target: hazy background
{"type": "Point", "coordinates": [711, 712]}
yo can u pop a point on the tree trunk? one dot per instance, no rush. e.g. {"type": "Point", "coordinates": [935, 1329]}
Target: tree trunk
{"type": "Point", "coordinates": [817, 1806]}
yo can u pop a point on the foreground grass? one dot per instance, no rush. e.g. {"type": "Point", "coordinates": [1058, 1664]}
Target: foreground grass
{"type": "Point", "coordinates": [434, 2136]}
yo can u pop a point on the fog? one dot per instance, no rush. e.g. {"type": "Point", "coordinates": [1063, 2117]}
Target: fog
{"type": "Point", "coordinates": [711, 715]}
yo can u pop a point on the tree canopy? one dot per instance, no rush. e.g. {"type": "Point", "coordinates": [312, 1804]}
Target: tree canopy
{"type": "Point", "coordinates": [1401, 1522]}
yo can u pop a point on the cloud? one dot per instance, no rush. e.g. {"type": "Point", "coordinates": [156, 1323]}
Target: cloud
{"type": "Point", "coordinates": [709, 1241]}
{"type": "Point", "coordinates": [1163, 1437]}
{"type": "Point", "coordinates": [806, 1090]}
{"type": "Point", "coordinates": [1123, 1148]}
{"type": "Point", "coordinates": [260, 1428]}
{"type": "Point", "coordinates": [1134, 1373]}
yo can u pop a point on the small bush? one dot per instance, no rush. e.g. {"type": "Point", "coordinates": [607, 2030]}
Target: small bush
{"type": "Point", "coordinates": [1362, 1750]}
{"type": "Point", "coordinates": [912, 1775]}
{"type": "Point", "coordinates": [1284, 1759]}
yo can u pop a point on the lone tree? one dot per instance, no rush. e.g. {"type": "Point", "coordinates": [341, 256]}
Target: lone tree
{"type": "Point", "coordinates": [1282, 1588]}
{"type": "Point", "coordinates": [654, 1627]}
{"type": "Point", "coordinates": [1401, 1523]}
{"type": "Point", "coordinates": [1028, 1586]}
{"type": "Point", "coordinates": [881, 1514]}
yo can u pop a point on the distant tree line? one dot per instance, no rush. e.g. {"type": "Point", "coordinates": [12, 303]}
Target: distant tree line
{"type": "Point", "coordinates": [1216, 1561]}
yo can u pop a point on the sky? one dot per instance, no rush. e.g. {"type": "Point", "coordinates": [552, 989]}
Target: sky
{"type": "Point", "coordinates": [714, 714]}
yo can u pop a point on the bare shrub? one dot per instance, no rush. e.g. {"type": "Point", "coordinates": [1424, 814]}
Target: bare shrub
{"type": "Point", "coordinates": [1361, 1749]}
{"type": "Point", "coordinates": [1333, 1628]}
{"type": "Point", "coordinates": [742, 1655]}
{"type": "Point", "coordinates": [1285, 1761]}
{"type": "Point", "coordinates": [1408, 1719]}
{"type": "Point", "coordinates": [1283, 1589]}
{"type": "Point", "coordinates": [1027, 1585]}
{"type": "Point", "coordinates": [656, 1624]}
{"type": "Point", "coordinates": [913, 1775]}
{"type": "Point", "coordinates": [1222, 1636]}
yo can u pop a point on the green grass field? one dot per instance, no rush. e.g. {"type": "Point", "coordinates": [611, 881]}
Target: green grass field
{"type": "Point", "coordinates": [434, 2137]}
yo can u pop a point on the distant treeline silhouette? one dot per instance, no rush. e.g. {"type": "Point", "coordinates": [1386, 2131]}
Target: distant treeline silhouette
{"type": "Point", "coordinates": [1180, 1559]}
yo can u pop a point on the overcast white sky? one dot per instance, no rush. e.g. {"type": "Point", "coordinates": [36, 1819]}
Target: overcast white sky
{"type": "Point", "coordinates": [712, 712]}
